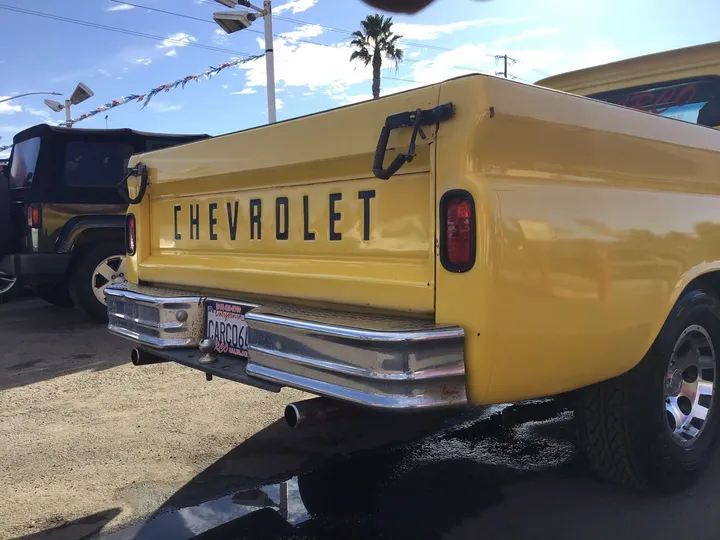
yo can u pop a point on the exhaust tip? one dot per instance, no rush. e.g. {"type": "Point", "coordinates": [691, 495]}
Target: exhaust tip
{"type": "Point", "coordinates": [135, 357]}
{"type": "Point", "coordinates": [292, 415]}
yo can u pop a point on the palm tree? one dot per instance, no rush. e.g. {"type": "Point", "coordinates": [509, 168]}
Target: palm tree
{"type": "Point", "coordinates": [375, 40]}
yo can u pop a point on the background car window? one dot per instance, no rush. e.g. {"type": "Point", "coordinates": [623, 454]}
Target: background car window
{"type": "Point", "coordinates": [24, 161]}
{"type": "Point", "coordinates": [692, 100]}
{"type": "Point", "coordinates": [101, 164]}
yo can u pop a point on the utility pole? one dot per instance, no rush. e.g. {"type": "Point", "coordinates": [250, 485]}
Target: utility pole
{"type": "Point", "coordinates": [506, 60]}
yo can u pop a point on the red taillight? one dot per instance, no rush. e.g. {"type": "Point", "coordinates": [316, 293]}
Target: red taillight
{"type": "Point", "coordinates": [130, 245]}
{"type": "Point", "coordinates": [34, 216]}
{"type": "Point", "coordinates": [457, 246]}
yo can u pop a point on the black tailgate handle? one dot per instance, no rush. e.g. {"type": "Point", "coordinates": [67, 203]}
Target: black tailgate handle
{"type": "Point", "coordinates": [138, 170]}
{"type": "Point", "coordinates": [414, 119]}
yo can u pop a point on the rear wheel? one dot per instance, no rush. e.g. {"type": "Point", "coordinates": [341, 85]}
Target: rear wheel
{"type": "Point", "coordinates": [56, 294]}
{"type": "Point", "coordinates": [96, 269]}
{"type": "Point", "coordinates": [654, 428]}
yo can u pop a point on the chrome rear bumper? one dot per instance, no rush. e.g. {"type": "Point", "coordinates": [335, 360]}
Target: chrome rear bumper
{"type": "Point", "coordinates": [376, 361]}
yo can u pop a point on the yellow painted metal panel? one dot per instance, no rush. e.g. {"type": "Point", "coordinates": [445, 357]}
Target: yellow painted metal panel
{"type": "Point", "coordinates": [592, 219]}
{"type": "Point", "coordinates": [293, 210]}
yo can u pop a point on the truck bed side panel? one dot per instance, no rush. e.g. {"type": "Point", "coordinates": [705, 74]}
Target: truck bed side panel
{"type": "Point", "coordinates": [592, 220]}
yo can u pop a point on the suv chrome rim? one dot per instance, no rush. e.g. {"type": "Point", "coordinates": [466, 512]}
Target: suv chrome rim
{"type": "Point", "coordinates": [689, 385]}
{"type": "Point", "coordinates": [7, 282]}
{"type": "Point", "coordinates": [110, 271]}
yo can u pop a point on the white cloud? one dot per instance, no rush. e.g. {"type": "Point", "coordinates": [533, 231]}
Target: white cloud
{"type": "Point", "coordinates": [296, 64]}
{"type": "Point", "coordinates": [163, 107]}
{"type": "Point", "coordinates": [105, 73]}
{"type": "Point", "coordinates": [296, 6]}
{"type": "Point", "coordinates": [142, 61]}
{"type": "Point", "coordinates": [420, 32]}
{"type": "Point", "coordinates": [414, 54]}
{"type": "Point", "coordinates": [9, 128]}
{"type": "Point", "coordinates": [171, 52]}
{"type": "Point", "coordinates": [179, 39]}
{"type": "Point", "coordinates": [225, 86]}
{"type": "Point", "coordinates": [219, 37]}
{"type": "Point", "coordinates": [538, 32]}
{"type": "Point", "coordinates": [244, 91]}
{"type": "Point", "coordinates": [45, 115]}
{"type": "Point", "coordinates": [120, 7]}
{"type": "Point", "coordinates": [303, 32]}
{"type": "Point", "coordinates": [279, 104]}
{"type": "Point", "coordinates": [9, 107]}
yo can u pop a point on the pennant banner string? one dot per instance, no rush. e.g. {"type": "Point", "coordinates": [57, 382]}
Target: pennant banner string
{"type": "Point", "coordinates": [145, 98]}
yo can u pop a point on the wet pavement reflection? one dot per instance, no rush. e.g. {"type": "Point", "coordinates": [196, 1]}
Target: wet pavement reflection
{"type": "Point", "coordinates": [417, 489]}
{"type": "Point", "coordinates": [498, 473]}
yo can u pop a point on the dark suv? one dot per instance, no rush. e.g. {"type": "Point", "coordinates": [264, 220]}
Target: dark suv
{"type": "Point", "coordinates": [62, 216]}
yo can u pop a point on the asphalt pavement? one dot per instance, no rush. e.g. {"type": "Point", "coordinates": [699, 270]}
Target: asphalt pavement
{"type": "Point", "coordinates": [454, 475]}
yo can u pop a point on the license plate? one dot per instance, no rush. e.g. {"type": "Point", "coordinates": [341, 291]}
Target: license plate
{"type": "Point", "coordinates": [227, 327]}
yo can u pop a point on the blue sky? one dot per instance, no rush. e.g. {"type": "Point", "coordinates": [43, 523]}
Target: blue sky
{"type": "Point", "coordinates": [448, 39]}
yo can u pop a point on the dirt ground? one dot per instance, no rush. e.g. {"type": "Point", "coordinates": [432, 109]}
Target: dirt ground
{"type": "Point", "coordinates": [82, 430]}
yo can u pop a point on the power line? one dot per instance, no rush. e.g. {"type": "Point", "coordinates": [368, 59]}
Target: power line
{"type": "Point", "coordinates": [296, 21]}
{"type": "Point", "coordinates": [121, 30]}
{"type": "Point", "coordinates": [330, 28]}
{"type": "Point", "coordinates": [207, 21]}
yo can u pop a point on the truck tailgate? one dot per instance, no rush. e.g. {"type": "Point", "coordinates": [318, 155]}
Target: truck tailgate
{"type": "Point", "coordinates": [293, 210]}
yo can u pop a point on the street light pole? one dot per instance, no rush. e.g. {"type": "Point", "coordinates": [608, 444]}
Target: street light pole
{"type": "Point", "coordinates": [68, 116]}
{"type": "Point", "coordinates": [269, 62]}
{"type": "Point", "coordinates": [30, 94]}
{"type": "Point", "coordinates": [235, 21]}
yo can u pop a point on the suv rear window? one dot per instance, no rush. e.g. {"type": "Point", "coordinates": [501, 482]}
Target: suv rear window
{"type": "Point", "coordinates": [100, 164]}
{"type": "Point", "coordinates": [24, 161]}
{"type": "Point", "coordinates": [694, 100]}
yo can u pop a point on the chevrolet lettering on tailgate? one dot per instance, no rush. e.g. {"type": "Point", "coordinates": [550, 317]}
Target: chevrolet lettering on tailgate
{"type": "Point", "coordinates": [207, 221]}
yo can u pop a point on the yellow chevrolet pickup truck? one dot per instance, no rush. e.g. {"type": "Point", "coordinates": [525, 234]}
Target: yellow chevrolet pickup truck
{"type": "Point", "coordinates": [472, 242]}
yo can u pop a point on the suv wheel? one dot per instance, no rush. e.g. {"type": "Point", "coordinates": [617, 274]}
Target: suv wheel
{"type": "Point", "coordinates": [10, 288]}
{"type": "Point", "coordinates": [96, 269]}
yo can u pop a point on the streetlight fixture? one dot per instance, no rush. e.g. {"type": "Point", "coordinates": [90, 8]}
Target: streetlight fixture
{"type": "Point", "coordinates": [80, 94]}
{"type": "Point", "coordinates": [234, 21]}
{"type": "Point", "coordinates": [31, 94]}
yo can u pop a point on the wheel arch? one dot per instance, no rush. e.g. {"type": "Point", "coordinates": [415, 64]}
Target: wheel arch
{"type": "Point", "coordinates": [85, 231]}
{"type": "Point", "coordinates": [706, 276]}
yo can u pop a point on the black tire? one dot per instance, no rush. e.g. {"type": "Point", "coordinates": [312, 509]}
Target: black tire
{"type": "Point", "coordinates": [623, 427]}
{"type": "Point", "coordinates": [57, 294]}
{"type": "Point", "coordinates": [81, 278]}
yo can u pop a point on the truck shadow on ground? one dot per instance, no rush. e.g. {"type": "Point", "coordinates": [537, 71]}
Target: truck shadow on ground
{"type": "Point", "coordinates": [77, 529]}
{"type": "Point", "coordinates": [440, 478]}
{"type": "Point", "coordinates": [39, 341]}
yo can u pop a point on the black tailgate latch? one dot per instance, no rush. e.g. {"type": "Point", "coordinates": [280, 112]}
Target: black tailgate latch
{"type": "Point", "coordinates": [414, 119]}
{"type": "Point", "coordinates": [138, 170]}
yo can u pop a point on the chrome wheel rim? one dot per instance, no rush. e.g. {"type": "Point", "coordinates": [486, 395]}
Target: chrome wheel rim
{"type": "Point", "coordinates": [7, 282]}
{"type": "Point", "coordinates": [110, 271]}
{"type": "Point", "coordinates": [690, 385]}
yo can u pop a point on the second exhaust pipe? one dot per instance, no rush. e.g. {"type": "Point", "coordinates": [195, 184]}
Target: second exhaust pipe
{"type": "Point", "coordinates": [140, 357]}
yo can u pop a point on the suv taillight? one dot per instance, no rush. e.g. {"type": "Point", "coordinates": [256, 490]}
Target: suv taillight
{"type": "Point", "coordinates": [34, 216]}
{"type": "Point", "coordinates": [130, 243]}
{"type": "Point", "coordinates": [457, 224]}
